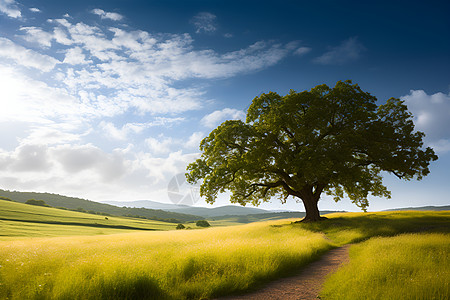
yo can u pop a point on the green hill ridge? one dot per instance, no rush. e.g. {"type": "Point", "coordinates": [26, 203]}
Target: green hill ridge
{"type": "Point", "coordinates": [84, 205]}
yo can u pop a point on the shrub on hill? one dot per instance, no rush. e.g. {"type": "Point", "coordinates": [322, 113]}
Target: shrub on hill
{"type": "Point", "coordinates": [4, 198]}
{"type": "Point", "coordinates": [202, 223]}
{"type": "Point", "coordinates": [37, 202]}
{"type": "Point", "coordinates": [180, 226]}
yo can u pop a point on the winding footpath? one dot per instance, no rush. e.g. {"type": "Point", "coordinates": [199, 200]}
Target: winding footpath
{"type": "Point", "coordinates": [304, 286]}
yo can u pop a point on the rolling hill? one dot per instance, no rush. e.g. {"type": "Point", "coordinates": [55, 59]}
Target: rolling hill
{"type": "Point", "coordinates": [205, 212]}
{"type": "Point", "coordinates": [72, 203]}
{"type": "Point", "coordinates": [23, 220]}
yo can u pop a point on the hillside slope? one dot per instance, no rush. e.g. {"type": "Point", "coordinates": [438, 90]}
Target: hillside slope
{"type": "Point", "coordinates": [206, 212]}
{"type": "Point", "coordinates": [56, 200]}
{"type": "Point", "coordinates": [19, 219]}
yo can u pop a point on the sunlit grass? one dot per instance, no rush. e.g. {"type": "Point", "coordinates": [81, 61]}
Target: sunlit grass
{"type": "Point", "coordinates": [18, 220]}
{"type": "Point", "coordinates": [184, 264]}
{"type": "Point", "coordinates": [344, 228]}
{"type": "Point", "coordinates": [410, 266]}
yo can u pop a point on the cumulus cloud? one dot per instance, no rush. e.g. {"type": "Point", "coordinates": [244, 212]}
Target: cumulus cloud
{"type": "Point", "coordinates": [107, 15]}
{"type": "Point", "coordinates": [25, 99]}
{"type": "Point", "coordinates": [76, 159]}
{"type": "Point", "coordinates": [75, 56]}
{"type": "Point", "coordinates": [10, 8]}
{"type": "Point", "coordinates": [431, 116]}
{"type": "Point", "coordinates": [30, 158]}
{"type": "Point", "coordinates": [26, 57]}
{"type": "Point", "coordinates": [204, 22]}
{"type": "Point", "coordinates": [38, 36]}
{"type": "Point", "coordinates": [108, 85]}
{"type": "Point", "coordinates": [195, 139]}
{"type": "Point", "coordinates": [35, 9]}
{"type": "Point", "coordinates": [348, 51]}
{"type": "Point", "coordinates": [215, 118]}
{"type": "Point", "coordinates": [160, 145]}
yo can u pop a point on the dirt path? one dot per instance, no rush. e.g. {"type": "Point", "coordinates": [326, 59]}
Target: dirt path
{"type": "Point", "coordinates": [306, 285]}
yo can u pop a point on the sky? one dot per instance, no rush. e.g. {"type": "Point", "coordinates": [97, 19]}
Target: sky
{"type": "Point", "coordinates": [109, 100]}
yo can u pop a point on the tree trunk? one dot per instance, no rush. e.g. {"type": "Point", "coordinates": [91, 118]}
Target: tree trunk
{"type": "Point", "coordinates": [312, 210]}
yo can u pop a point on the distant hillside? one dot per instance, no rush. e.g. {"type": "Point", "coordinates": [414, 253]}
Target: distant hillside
{"type": "Point", "coordinates": [146, 204]}
{"type": "Point", "coordinates": [56, 200]}
{"type": "Point", "coordinates": [437, 208]}
{"type": "Point", "coordinates": [205, 212]}
{"type": "Point", "coordinates": [21, 220]}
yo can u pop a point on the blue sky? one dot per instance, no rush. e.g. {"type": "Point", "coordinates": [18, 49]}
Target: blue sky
{"type": "Point", "coordinates": [108, 100]}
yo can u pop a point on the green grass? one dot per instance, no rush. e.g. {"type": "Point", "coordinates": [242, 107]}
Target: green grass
{"type": "Point", "coordinates": [23, 220]}
{"type": "Point", "coordinates": [188, 264]}
{"type": "Point", "coordinates": [181, 264]}
{"type": "Point", "coordinates": [410, 266]}
{"type": "Point", "coordinates": [345, 228]}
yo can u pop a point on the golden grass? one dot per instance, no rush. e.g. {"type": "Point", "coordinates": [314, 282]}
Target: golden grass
{"type": "Point", "coordinates": [345, 228]}
{"type": "Point", "coordinates": [410, 266]}
{"type": "Point", "coordinates": [184, 264]}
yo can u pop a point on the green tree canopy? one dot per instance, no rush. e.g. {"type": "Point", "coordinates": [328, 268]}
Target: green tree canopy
{"type": "Point", "coordinates": [333, 140]}
{"type": "Point", "coordinates": [36, 202]}
{"type": "Point", "coordinates": [202, 223]}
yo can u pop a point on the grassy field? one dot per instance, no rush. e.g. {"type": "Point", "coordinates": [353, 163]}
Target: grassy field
{"type": "Point", "coordinates": [188, 264]}
{"type": "Point", "coordinates": [410, 266]}
{"type": "Point", "coordinates": [345, 228]}
{"type": "Point", "coordinates": [18, 220]}
{"type": "Point", "coordinates": [193, 264]}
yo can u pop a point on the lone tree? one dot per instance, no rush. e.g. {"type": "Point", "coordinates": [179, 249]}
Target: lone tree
{"type": "Point", "coordinates": [333, 140]}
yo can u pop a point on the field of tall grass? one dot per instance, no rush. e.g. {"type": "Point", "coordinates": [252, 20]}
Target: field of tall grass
{"type": "Point", "coordinates": [198, 264]}
{"type": "Point", "coordinates": [410, 266]}
{"type": "Point", "coordinates": [186, 264]}
{"type": "Point", "coordinates": [345, 228]}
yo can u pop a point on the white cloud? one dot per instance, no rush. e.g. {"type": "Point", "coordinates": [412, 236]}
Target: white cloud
{"type": "Point", "coordinates": [26, 57]}
{"type": "Point", "coordinates": [75, 56]}
{"type": "Point", "coordinates": [76, 159]}
{"type": "Point", "coordinates": [195, 139]}
{"type": "Point", "coordinates": [431, 116]}
{"type": "Point", "coordinates": [104, 76]}
{"type": "Point", "coordinates": [348, 51]}
{"type": "Point", "coordinates": [52, 134]}
{"type": "Point", "coordinates": [35, 9]}
{"type": "Point", "coordinates": [162, 169]}
{"type": "Point", "coordinates": [10, 8]}
{"type": "Point", "coordinates": [204, 22]}
{"type": "Point", "coordinates": [123, 133]}
{"type": "Point", "coordinates": [28, 100]}
{"type": "Point", "coordinates": [161, 145]}
{"type": "Point", "coordinates": [30, 158]}
{"type": "Point", "coordinates": [215, 118]}
{"type": "Point", "coordinates": [107, 15]}
{"type": "Point", "coordinates": [302, 51]}
{"type": "Point", "coordinates": [61, 37]}
{"type": "Point", "coordinates": [38, 36]}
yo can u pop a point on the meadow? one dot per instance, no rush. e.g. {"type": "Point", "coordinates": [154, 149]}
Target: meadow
{"type": "Point", "coordinates": [188, 264]}
{"type": "Point", "coordinates": [409, 266]}
{"type": "Point", "coordinates": [20, 220]}
{"type": "Point", "coordinates": [208, 263]}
